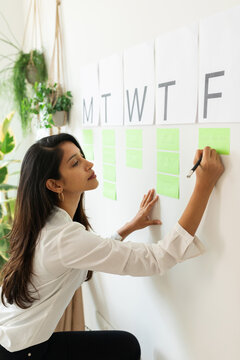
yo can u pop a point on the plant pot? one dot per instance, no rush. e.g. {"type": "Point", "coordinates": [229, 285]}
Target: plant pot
{"type": "Point", "coordinates": [60, 118]}
{"type": "Point", "coordinates": [32, 74]}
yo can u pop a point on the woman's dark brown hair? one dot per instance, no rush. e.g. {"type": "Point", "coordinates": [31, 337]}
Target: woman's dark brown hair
{"type": "Point", "coordinates": [34, 204]}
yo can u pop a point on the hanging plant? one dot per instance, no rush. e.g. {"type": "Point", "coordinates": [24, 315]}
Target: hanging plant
{"type": "Point", "coordinates": [26, 67]}
{"type": "Point", "coordinates": [29, 67]}
{"type": "Point", "coordinates": [51, 106]}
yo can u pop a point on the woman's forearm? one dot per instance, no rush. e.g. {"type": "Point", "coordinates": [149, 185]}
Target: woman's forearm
{"type": "Point", "coordinates": [126, 230]}
{"type": "Point", "coordinates": [195, 208]}
{"type": "Point", "coordinates": [207, 175]}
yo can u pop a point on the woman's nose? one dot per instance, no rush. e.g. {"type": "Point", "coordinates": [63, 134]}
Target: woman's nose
{"type": "Point", "coordinates": [89, 164]}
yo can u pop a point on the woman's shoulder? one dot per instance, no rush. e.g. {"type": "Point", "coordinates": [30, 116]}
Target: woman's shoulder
{"type": "Point", "coordinates": [58, 223]}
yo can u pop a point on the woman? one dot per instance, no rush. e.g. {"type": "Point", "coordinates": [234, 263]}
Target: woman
{"type": "Point", "coordinates": [52, 251]}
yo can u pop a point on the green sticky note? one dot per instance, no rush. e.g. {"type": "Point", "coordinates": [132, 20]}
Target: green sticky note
{"type": "Point", "coordinates": [109, 172]}
{"type": "Point", "coordinates": [109, 155]}
{"type": "Point", "coordinates": [168, 162]}
{"type": "Point", "coordinates": [134, 158]}
{"type": "Point", "coordinates": [134, 138]}
{"type": "Point", "coordinates": [217, 138]}
{"type": "Point", "coordinates": [108, 137]}
{"type": "Point", "coordinates": [168, 139]}
{"type": "Point", "coordinates": [88, 151]}
{"type": "Point", "coordinates": [87, 136]}
{"type": "Point", "coordinates": [109, 190]}
{"type": "Point", "coordinates": [168, 185]}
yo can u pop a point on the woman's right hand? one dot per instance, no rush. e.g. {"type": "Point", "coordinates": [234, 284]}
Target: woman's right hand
{"type": "Point", "coordinates": [210, 168]}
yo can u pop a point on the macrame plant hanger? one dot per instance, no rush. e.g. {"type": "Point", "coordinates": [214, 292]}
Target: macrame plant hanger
{"type": "Point", "coordinates": [34, 29]}
{"type": "Point", "coordinates": [56, 65]}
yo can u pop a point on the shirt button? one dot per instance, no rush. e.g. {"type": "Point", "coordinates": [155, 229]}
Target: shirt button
{"type": "Point", "coordinates": [29, 354]}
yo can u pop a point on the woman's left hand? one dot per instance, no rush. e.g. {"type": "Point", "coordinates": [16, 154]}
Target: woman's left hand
{"type": "Point", "coordinates": [142, 219]}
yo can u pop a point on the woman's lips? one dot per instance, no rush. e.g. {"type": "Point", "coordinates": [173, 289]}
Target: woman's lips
{"type": "Point", "coordinates": [93, 176]}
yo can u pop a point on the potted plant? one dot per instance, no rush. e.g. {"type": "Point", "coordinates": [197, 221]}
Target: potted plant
{"type": "Point", "coordinates": [61, 108]}
{"type": "Point", "coordinates": [23, 69]}
{"type": "Point", "coordinates": [7, 203]}
{"type": "Point", "coordinates": [28, 68]}
{"type": "Point", "coordinates": [50, 103]}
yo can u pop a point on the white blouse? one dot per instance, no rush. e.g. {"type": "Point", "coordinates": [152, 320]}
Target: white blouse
{"type": "Point", "coordinates": [64, 253]}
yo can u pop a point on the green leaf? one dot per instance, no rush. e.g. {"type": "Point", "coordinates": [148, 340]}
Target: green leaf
{"type": "Point", "coordinates": [2, 262]}
{"type": "Point", "coordinates": [8, 143]}
{"type": "Point", "coordinates": [4, 229]}
{"type": "Point", "coordinates": [7, 187]}
{"type": "Point", "coordinates": [3, 174]}
{"type": "Point", "coordinates": [35, 87]}
{"type": "Point", "coordinates": [12, 205]}
{"type": "Point", "coordinates": [6, 122]}
{"type": "Point", "coordinates": [4, 243]}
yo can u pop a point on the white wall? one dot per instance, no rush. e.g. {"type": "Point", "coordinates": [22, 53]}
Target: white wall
{"type": "Point", "coordinates": [192, 312]}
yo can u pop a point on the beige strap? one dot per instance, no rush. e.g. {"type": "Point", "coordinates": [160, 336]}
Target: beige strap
{"type": "Point", "coordinates": [56, 71]}
{"type": "Point", "coordinates": [26, 24]}
{"type": "Point", "coordinates": [57, 55]}
{"type": "Point", "coordinates": [36, 31]}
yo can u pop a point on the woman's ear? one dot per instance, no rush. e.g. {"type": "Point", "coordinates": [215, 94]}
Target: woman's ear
{"type": "Point", "coordinates": [53, 185]}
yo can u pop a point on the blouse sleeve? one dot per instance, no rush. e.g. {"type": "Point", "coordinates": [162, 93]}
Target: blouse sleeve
{"type": "Point", "coordinates": [81, 249]}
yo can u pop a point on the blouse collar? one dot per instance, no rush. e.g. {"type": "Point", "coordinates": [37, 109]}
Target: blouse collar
{"type": "Point", "coordinates": [63, 213]}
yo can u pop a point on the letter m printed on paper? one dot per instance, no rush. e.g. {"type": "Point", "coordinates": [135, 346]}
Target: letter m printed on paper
{"type": "Point", "coordinates": [88, 114]}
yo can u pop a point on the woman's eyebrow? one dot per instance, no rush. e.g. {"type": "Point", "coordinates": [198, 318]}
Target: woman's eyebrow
{"type": "Point", "coordinates": [74, 155]}
{"type": "Point", "coordinates": [71, 157]}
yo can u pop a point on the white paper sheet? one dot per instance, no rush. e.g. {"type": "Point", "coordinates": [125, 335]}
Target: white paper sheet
{"type": "Point", "coordinates": [219, 70]}
{"type": "Point", "coordinates": [176, 56]}
{"type": "Point", "coordinates": [139, 85]}
{"type": "Point", "coordinates": [89, 95]}
{"type": "Point", "coordinates": [111, 90]}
